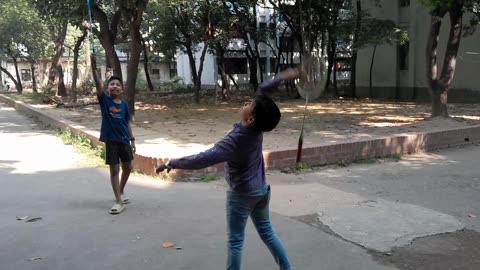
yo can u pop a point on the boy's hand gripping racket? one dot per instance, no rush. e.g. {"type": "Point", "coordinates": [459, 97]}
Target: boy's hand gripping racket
{"type": "Point", "coordinates": [311, 85]}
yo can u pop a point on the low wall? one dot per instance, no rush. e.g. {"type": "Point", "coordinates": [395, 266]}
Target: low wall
{"type": "Point", "coordinates": [334, 153]}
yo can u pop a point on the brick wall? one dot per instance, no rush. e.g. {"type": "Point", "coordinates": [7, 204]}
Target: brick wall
{"type": "Point", "coordinates": [343, 152]}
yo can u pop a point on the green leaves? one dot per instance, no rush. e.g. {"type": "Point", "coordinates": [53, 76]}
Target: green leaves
{"type": "Point", "coordinates": [21, 30]}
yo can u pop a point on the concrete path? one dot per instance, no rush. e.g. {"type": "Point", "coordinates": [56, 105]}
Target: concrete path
{"type": "Point", "coordinates": [38, 178]}
{"type": "Point", "coordinates": [334, 218]}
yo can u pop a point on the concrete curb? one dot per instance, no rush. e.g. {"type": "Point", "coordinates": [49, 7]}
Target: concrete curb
{"type": "Point", "coordinates": [333, 153]}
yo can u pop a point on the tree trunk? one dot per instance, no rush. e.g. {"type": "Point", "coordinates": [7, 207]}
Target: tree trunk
{"type": "Point", "coordinates": [198, 82]}
{"type": "Point", "coordinates": [76, 53]}
{"type": "Point", "coordinates": [223, 75]}
{"type": "Point", "coordinates": [353, 73]}
{"type": "Point", "coordinates": [34, 80]}
{"type": "Point", "coordinates": [331, 51]}
{"type": "Point", "coordinates": [60, 40]}
{"type": "Point", "coordinates": [18, 81]}
{"type": "Point", "coordinates": [9, 75]}
{"type": "Point", "coordinates": [335, 86]}
{"type": "Point", "coordinates": [252, 66]}
{"type": "Point", "coordinates": [107, 36]}
{"type": "Point", "coordinates": [145, 65]}
{"type": "Point", "coordinates": [370, 93]}
{"type": "Point", "coordinates": [135, 19]}
{"type": "Point", "coordinates": [62, 90]}
{"type": "Point", "coordinates": [440, 84]}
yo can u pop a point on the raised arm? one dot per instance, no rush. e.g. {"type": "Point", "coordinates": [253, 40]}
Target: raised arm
{"type": "Point", "coordinates": [271, 86]}
{"type": "Point", "coordinates": [96, 77]}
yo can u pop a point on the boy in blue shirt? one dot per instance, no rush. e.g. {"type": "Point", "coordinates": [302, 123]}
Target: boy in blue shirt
{"type": "Point", "coordinates": [249, 194]}
{"type": "Point", "coordinates": [117, 134]}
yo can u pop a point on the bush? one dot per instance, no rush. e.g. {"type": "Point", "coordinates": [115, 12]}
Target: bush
{"type": "Point", "coordinates": [141, 85]}
{"type": "Point", "coordinates": [86, 88]}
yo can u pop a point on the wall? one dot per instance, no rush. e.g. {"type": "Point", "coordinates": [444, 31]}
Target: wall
{"type": "Point", "coordinates": [209, 71]}
{"type": "Point", "coordinates": [387, 78]}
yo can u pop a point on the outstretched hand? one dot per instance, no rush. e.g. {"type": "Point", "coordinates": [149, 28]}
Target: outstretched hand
{"type": "Point", "coordinates": [163, 167]}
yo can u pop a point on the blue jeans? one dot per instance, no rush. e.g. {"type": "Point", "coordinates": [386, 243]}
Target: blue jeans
{"type": "Point", "coordinates": [254, 204]}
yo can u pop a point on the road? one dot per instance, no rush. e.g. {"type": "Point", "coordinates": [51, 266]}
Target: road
{"type": "Point", "coordinates": [361, 217]}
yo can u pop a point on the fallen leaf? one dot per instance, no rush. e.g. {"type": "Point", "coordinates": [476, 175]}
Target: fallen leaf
{"type": "Point", "coordinates": [22, 218]}
{"type": "Point", "coordinates": [168, 244]}
{"type": "Point", "coordinates": [33, 219]}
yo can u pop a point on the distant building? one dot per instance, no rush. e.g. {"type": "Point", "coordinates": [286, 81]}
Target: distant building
{"type": "Point", "coordinates": [236, 62]}
{"type": "Point", "coordinates": [398, 70]}
{"type": "Point", "coordinates": [403, 68]}
{"type": "Point", "coordinates": [159, 71]}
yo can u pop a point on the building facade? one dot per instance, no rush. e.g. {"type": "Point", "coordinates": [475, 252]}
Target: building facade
{"type": "Point", "coordinates": [401, 70]}
{"type": "Point", "coordinates": [236, 62]}
{"type": "Point", "coordinates": [159, 71]}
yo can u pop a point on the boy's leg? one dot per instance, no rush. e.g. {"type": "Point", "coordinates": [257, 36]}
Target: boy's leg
{"type": "Point", "coordinates": [238, 211]}
{"type": "Point", "coordinates": [126, 156]}
{"type": "Point", "coordinates": [114, 179]}
{"type": "Point", "coordinates": [126, 169]}
{"type": "Point", "coordinates": [261, 219]}
{"type": "Point", "coordinates": [112, 157]}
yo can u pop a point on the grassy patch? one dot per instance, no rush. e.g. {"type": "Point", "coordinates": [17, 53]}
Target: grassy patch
{"type": "Point", "coordinates": [204, 178]}
{"type": "Point", "coordinates": [93, 155]}
{"type": "Point", "coordinates": [32, 95]}
{"type": "Point", "coordinates": [298, 168]}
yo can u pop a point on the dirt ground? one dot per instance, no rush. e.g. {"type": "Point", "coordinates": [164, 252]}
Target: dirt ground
{"type": "Point", "coordinates": [326, 121]}
{"type": "Point", "coordinates": [177, 118]}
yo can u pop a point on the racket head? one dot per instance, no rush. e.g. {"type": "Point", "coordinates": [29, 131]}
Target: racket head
{"type": "Point", "coordinates": [314, 80]}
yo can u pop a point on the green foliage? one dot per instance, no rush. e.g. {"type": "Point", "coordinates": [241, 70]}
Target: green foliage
{"type": "Point", "coordinates": [435, 4]}
{"type": "Point", "coordinates": [141, 84]}
{"type": "Point", "coordinates": [376, 32]}
{"type": "Point", "coordinates": [87, 87]}
{"type": "Point", "coordinates": [298, 168]}
{"type": "Point", "coordinates": [32, 95]}
{"type": "Point", "coordinates": [94, 155]}
{"type": "Point", "coordinates": [21, 30]}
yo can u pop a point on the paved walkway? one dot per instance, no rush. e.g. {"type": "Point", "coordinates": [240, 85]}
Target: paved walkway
{"type": "Point", "coordinates": [335, 218]}
{"type": "Point", "coordinates": [152, 146]}
{"type": "Point", "coordinates": [38, 178]}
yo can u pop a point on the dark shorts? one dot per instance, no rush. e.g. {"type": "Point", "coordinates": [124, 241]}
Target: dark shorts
{"type": "Point", "coordinates": [116, 152]}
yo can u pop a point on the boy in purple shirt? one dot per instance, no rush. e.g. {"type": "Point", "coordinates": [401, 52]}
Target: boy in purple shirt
{"type": "Point", "coordinates": [241, 150]}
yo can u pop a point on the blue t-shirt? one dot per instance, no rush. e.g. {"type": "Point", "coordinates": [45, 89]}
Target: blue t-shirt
{"type": "Point", "coordinates": [115, 119]}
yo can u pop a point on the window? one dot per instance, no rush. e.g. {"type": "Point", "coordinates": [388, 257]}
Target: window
{"type": "Point", "coordinates": [287, 43]}
{"type": "Point", "coordinates": [262, 26]}
{"type": "Point", "coordinates": [235, 66]}
{"type": "Point", "coordinates": [404, 3]}
{"type": "Point", "coordinates": [273, 65]}
{"type": "Point", "coordinates": [155, 73]}
{"type": "Point", "coordinates": [403, 52]}
{"type": "Point", "coordinates": [26, 75]}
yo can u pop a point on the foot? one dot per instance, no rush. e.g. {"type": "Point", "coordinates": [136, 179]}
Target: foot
{"type": "Point", "coordinates": [117, 209]}
{"type": "Point", "coordinates": [125, 198]}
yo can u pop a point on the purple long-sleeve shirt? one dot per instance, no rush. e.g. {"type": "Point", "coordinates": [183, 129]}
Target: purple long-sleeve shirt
{"type": "Point", "coordinates": [241, 150]}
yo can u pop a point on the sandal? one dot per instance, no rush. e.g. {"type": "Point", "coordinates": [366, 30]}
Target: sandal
{"type": "Point", "coordinates": [125, 198]}
{"type": "Point", "coordinates": [117, 209]}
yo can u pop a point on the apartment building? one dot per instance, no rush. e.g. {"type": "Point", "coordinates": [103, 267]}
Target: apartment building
{"type": "Point", "coordinates": [401, 70]}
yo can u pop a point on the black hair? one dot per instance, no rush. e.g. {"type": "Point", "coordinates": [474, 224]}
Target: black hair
{"type": "Point", "coordinates": [115, 78]}
{"type": "Point", "coordinates": [266, 113]}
